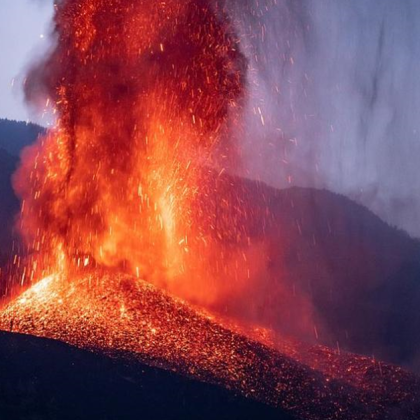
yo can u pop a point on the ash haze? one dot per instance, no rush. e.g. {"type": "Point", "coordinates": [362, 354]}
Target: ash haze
{"type": "Point", "coordinates": [334, 94]}
{"type": "Point", "coordinates": [335, 99]}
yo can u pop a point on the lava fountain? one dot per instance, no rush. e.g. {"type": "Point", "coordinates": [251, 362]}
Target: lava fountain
{"type": "Point", "coordinates": [145, 95]}
{"type": "Point", "coordinates": [125, 197]}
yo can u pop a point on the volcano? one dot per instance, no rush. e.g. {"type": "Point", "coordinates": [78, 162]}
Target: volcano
{"type": "Point", "coordinates": [141, 245]}
{"type": "Point", "coordinates": [124, 317]}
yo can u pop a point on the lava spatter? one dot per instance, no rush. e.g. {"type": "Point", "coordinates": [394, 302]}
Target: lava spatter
{"type": "Point", "coordinates": [145, 95]}
{"type": "Point", "coordinates": [123, 316]}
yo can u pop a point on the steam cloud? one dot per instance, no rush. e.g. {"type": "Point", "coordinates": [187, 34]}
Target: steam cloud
{"type": "Point", "coordinates": [335, 99]}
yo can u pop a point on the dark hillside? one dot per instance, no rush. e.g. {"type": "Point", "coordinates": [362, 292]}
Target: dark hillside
{"type": "Point", "coordinates": [327, 255]}
{"type": "Point", "coordinates": [48, 380]}
{"type": "Point", "coordinates": [15, 135]}
{"type": "Point", "coordinates": [9, 204]}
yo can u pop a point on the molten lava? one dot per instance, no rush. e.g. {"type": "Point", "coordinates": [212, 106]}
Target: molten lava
{"type": "Point", "coordinates": [145, 95]}
{"type": "Point", "coordinates": [125, 188]}
{"type": "Point", "coordinates": [126, 317]}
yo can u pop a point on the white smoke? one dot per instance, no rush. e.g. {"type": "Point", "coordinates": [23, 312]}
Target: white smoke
{"type": "Point", "coordinates": [335, 99]}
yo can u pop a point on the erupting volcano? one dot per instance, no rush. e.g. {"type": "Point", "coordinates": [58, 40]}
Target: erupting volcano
{"type": "Point", "coordinates": [134, 233]}
{"type": "Point", "coordinates": [145, 94]}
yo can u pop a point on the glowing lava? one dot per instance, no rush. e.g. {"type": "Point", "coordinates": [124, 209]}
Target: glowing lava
{"type": "Point", "coordinates": [145, 94]}
{"type": "Point", "coordinates": [126, 317]}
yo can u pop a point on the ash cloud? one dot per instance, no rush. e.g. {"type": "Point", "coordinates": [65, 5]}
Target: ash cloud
{"type": "Point", "coordinates": [334, 99]}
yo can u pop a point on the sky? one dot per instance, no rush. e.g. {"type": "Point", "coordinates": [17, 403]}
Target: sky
{"type": "Point", "coordinates": [23, 36]}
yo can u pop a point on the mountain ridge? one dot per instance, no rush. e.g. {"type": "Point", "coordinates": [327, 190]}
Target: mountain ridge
{"type": "Point", "coordinates": [323, 253]}
{"type": "Point", "coordinates": [15, 135]}
{"type": "Point", "coordinates": [52, 380]}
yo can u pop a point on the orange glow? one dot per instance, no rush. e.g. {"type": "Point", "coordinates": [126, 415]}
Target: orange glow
{"type": "Point", "coordinates": [146, 94]}
{"type": "Point", "coordinates": [123, 316]}
{"type": "Point", "coordinates": [134, 230]}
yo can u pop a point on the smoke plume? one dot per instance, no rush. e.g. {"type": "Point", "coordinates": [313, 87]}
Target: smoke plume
{"type": "Point", "coordinates": [334, 99]}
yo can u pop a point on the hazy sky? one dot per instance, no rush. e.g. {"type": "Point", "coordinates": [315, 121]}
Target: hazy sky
{"type": "Point", "coordinates": [22, 25]}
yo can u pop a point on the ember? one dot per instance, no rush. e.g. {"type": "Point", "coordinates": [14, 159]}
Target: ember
{"type": "Point", "coordinates": [124, 213]}
{"type": "Point", "coordinates": [145, 94]}
{"type": "Point", "coordinates": [126, 317]}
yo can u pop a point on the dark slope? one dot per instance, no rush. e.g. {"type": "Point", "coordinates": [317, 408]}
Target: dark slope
{"type": "Point", "coordinates": [9, 204]}
{"type": "Point", "coordinates": [15, 135]}
{"type": "Point", "coordinates": [44, 379]}
{"type": "Point", "coordinates": [330, 264]}
{"type": "Point", "coordinates": [362, 275]}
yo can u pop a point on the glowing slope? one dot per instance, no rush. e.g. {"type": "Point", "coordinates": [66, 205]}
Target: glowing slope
{"type": "Point", "coordinates": [122, 316]}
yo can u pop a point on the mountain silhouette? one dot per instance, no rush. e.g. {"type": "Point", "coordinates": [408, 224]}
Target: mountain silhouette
{"type": "Point", "coordinates": [9, 204]}
{"type": "Point", "coordinates": [333, 272]}
{"type": "Point", "coordinates": [45, 379]}
{"type": "Point", "coordinates": [15, 135]}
